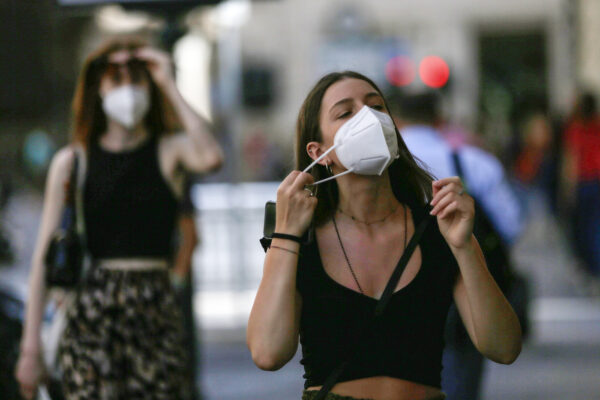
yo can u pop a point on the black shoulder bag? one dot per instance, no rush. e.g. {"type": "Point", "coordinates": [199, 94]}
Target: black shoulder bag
{"type": "Point", "coordinates": [65, 254]}
{"type": "Point", "coordinates": [381, 303]}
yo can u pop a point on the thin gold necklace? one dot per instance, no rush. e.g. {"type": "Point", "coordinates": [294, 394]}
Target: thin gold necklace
{"type": "Point", "coordinates": [366, 222]}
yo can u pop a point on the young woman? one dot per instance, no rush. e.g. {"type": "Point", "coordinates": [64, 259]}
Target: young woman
{"type": "Point", "coordinates": [324, 292]}
{"type": "Point", "coordinates": [123, 333]}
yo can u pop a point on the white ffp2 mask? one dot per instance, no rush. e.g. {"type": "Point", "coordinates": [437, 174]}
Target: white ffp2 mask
{"type": "Point", "coordinates": [127, 104]}
{"type": "Point", "coordinates": [366, 144]}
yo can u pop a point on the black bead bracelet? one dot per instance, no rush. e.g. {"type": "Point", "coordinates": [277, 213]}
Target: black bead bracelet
{"type": "Point", "coordinates": [286, 236]}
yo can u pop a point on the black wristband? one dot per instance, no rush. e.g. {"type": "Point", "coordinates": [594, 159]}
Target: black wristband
{"type": "Point", "coordinates": [276, 235]}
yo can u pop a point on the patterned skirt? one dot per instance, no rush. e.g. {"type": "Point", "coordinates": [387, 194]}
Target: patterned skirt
{"type": "Point", "coordinates": [123, 339]}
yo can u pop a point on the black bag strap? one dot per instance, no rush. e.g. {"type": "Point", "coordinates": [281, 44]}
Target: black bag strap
{"type": "Point", "coordinates": [78, 174]}
{"type": "Point", "coordinates": [381, 304]}
{"type": "Point", "coordinates": [69, 218]}
{"type": "Point", "coordinates": [457, 164]}
{"type": "Point", "coordinates": [410, 248]}
{"type": "Point", "coordinates": [73, 180]}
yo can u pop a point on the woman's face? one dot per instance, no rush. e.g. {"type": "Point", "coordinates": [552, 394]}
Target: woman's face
{"type": "Point", "coordinates": [341, 101]}
{"type": "Point", "coordinates": [123, 68]}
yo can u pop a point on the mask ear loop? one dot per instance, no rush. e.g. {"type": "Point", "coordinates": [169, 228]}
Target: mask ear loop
{"type": "Point", "coordinates": [331, 177]}
{"type": "Point", "coordinates": [329, 150]}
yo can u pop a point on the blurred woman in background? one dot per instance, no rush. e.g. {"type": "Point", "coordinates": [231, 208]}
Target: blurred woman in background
{"type": "Point", "coordinates": [123, 337]}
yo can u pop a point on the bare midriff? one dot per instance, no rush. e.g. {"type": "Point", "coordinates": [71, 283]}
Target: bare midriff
{"type": "Point", "coordinates": [384, 388]}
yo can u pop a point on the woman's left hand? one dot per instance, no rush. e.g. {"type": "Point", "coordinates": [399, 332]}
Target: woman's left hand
{"type": "Point", "coordinates": [454, 210]}
{"type": "Point", "coordinates": [158, 63]}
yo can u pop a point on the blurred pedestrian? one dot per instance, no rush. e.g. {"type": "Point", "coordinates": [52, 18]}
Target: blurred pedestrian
{"type": "Point", "coordinates": [581, 180]}
{"type": "Point", "coordinates": [534, 165]}
{"type": "Point", "coordinates": [123, 334]}
{"type": "Point", "coordinates": [418, 116]}
{"type": "Point", "coordinates": [323, 289]}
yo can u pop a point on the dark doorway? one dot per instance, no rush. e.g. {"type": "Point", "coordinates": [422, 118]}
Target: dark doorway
{"type": "Point", "coordinates": [513, 83]}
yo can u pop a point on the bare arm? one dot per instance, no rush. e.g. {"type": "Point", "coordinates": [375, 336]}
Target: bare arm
{"type": "Point", "coordinates": [29, 367]}
{"type": "Point", "coordinates": [185, 251]}
{"type": "Point", "coordinates": [488, 317]}
{"type": "Point", "coordinates": [274, 323]}
{"type": "Point", "coordinates": [198, 150]}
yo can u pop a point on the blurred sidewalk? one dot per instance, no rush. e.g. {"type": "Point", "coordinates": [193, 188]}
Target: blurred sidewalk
{"type": "Point", "coordinates": [560, 360]}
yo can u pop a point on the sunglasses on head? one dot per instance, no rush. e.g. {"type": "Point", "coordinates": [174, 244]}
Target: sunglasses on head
{"type": "Point", "coordinates": [136, 68]}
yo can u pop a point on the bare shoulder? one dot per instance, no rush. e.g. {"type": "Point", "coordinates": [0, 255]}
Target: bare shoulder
{"type": "Point", "coordinates": [194, 156]}
{"type": "Point", "coordinates": [62, 161]}
{"type": "Point", "coordinates": [174, 141]}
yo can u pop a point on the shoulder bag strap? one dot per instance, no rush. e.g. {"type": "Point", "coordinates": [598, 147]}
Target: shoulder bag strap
{"type": "Point", "coordinates": [457, 164]}
{"type": "Point", "coordinates": [80, 166]}
{"type": "Point", "coordinates": [381, 304]}
{"type": "Point", "coordinates": [81, 160]}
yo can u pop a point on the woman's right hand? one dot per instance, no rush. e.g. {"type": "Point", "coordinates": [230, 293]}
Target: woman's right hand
{"type": "Point", "coordinates": [30, 372]}
{"type": "Point", "coordinates": [295, 204]}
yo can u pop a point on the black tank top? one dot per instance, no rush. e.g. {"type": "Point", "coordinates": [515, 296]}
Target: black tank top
{"type": "Point", "coordinates": [129, 208]}
{"type": "Point", "coordinates": [406, 342]}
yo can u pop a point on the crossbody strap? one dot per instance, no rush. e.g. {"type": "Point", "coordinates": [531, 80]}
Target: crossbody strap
{"type": "Point", "coordinates": [410, 248]}
{"type": "Point", "coordinates": [81, 159]}
{"type": "Point", "coordinates": [381, 304]}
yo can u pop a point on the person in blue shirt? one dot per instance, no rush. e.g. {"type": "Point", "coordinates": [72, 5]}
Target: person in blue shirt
{"type": "Point", "coordinates": [418, 116]}
{"type": "Point", "coordinates": [484, 175]}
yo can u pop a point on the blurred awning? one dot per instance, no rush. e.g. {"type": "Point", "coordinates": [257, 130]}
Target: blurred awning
{"type": "Point", "coordinates": [142, 3]}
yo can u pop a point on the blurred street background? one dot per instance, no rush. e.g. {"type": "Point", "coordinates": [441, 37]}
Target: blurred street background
{"type": "Point", "coordinates": [509, 74]}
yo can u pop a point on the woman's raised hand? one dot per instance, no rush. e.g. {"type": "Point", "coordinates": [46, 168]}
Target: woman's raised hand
{"type": "Point", "coordinates": [295, 204]}
{"type": "Point", "coordinates": [158, 63]}
{"type": "Point", "coordinates": [454, 209]}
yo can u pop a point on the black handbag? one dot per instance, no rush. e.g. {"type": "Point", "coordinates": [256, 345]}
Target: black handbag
{"type": "Point", "coordinates": [65, 254]}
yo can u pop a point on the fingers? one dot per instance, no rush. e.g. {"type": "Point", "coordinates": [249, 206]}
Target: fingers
{"type": "Point", "coordinates": [445, 181]}
{"type": "Point", "coordinates": [444, 202]}
{"type": "Point", "coordinates": [296, 181]}
{"type": "Point", "coordinates": [290, 178]}
{"type": "Point", "coordinates": [450, 187]}
{"type": "Point", "coordinates": [447, 192]}
{"type": "Point", "coordinates": [303, 179]}
{"type": "Point", "coordinates": [441, 183]}
{"type": "Point", "coordinates": [452, 207]}
{"type": "Point", "coordinates": [295, 204]}
{"type": "Point", "coordinates": [295, 184]}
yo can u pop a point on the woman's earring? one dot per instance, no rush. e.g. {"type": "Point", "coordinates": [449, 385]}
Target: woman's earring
{"type": "Point", "coordinates": [328, 168]}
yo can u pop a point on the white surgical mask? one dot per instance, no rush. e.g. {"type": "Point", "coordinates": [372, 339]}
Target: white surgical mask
{"type": "Point", "coordinates": [366, 144]}
{"type": "Point", "coordinates": [127, 104]}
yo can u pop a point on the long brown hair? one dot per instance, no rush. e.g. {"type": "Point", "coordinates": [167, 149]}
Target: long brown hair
{"type": "Point", "coordinates": [411, 184]}
{"type": "Point", "coordinates": [89, 120]}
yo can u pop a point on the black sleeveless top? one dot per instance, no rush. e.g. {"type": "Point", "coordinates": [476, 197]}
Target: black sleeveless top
{"type": "Point", "coordinates": [407, 340]}
{"type": "Point", "coordinates": [129, 208]}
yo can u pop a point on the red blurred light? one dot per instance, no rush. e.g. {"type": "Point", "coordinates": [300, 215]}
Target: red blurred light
{"type": "Point", "coordinates": [434, 71]}
{"type": "Point", "coordinates": [400, 71]}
